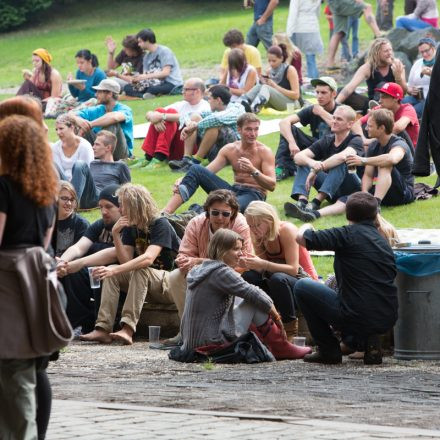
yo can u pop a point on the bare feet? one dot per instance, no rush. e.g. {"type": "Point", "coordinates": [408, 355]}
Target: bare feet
{"type": "Point", "coordinates": [97, 335]}
{"type": "Point", "coordinates": [125, 336]}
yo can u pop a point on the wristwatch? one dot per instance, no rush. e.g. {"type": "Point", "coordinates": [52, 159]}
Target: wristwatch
{"type": "Point", "coordinates": [255, 173]}
{"type": "Point", "coordinates": [364, 160]}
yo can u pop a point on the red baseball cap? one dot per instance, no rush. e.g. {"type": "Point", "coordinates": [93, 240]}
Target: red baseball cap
{"type": "Point", "coordinates": [391, 89]}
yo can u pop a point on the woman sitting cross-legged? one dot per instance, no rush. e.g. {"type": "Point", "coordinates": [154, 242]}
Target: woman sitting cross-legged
{"type": "Point", "coordinates": [280, 261]}
{"type": "Point", "coordinates": [278, 88]}
{"type": "Point", "coordinates": [211, 315]}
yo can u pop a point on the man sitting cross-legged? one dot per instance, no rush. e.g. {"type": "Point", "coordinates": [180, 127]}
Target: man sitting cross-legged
{"type": "Point", "coordinates": [252, 163]}
{"type": "Point", "coordinates": [95, 248]}
{"type": "Point", "coordinates": [209, 130]}
{"type": "Point", "coordinates": [318, 116]}
{"type": "Point", "coordinates": [163, 140]}
{"type": "Point", "coordinates": [103, 171]}
{"type": "Point", "coordinates": [146, 252]}
{"type": "Point", "coordinates": [322, 165]}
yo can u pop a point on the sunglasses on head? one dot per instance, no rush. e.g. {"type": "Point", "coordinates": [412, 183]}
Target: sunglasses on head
{"type": "Point", "coordinates": [216, 213]}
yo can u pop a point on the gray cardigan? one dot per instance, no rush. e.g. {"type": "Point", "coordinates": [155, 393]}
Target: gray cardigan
{"type": "Point", "coordinates": [208, 317]}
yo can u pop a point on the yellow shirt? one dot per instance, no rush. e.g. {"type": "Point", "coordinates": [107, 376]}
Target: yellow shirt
{"type": "Point", "coordinates": [251, 53]}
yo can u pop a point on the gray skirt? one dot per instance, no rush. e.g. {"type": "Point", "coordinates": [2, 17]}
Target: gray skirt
{"type": "Point", "coordinates": [308, 42]}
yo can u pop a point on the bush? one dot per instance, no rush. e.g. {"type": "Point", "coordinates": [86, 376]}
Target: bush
{"type": "Point", "coordinates": [13, 13]}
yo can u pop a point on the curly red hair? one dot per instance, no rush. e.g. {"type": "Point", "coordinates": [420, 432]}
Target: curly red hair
{"type": "Point", "coordinates": [26, 157]}
{"type": "Point", "coordinates": [22, 105]}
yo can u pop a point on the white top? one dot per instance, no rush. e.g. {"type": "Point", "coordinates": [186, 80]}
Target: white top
{"type": "Point", "coordinates": [303, 16]}
{"type": "Point", "coordinates": [414, 79]}
{"type": "Point", "coordinates": [84, 152]}
{"type": "Point", "coordinates": [238, 83]}
{"type": "Point", "coordinates": [184, 107]}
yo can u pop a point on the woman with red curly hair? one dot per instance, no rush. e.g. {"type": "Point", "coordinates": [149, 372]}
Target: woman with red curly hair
{"type": "Point", "coordinates": [28, 188]}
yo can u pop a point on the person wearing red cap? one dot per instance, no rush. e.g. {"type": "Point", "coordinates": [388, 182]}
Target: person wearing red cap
{"type": "Point", "coordinates": [405, 116]}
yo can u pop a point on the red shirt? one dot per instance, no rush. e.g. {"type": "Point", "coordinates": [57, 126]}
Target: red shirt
{"type": "Point", "coordinates": [404, 110]}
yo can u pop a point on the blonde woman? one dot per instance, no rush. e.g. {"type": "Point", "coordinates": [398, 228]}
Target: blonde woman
{"type": "Point", "coordinates": [279, 261]}
{"type": "Point", "coordinates": [220, 306]}
{"type": "Point", "coordinates": [146, 246]}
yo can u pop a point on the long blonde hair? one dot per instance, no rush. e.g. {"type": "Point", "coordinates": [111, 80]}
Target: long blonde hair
{"type": "Point", "coordinates": [139, 206]}
{"type": "Point", "coordinates": [387, 230]}
{"type": "Point", "coordinates": [265, 212]}
{"type": "Point", "coordinates": [374, 52]}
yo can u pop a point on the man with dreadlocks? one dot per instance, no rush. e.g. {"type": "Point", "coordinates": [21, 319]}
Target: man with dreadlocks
{"type": "Point", "coordinates": [380, 67]}
{"type": "Point", "coordinates": [146, 246]}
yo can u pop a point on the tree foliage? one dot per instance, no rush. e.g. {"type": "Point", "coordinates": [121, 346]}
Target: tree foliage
{"type": "Point", "coordinates": [13, 13]}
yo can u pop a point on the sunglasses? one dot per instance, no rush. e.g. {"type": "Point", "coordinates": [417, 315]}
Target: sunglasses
{"type": "Point", "coordinates": [67, 199]}
{"type": "Point", "coordinates": [216, 213]}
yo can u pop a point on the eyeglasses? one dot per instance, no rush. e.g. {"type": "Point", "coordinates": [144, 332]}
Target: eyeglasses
{"type": "Point", "coordinates": [189, 89]}
{"type": "Point", "coordinates": [422, 52]}
{"type": "Point", "coordinates": [67, 199]}
{"type": "Point", "coordinates": [216, 213]}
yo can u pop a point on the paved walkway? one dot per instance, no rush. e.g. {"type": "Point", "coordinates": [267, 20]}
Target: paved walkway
{"type": "Point", "coordinates": [98, 420]}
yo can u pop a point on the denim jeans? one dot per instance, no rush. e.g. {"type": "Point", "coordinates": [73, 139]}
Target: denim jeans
{"type": "Point", "coordinates": [411, 24]}
{"type": "Point", "coordinates": [263, 33]}
{"type": "Point", "coordinates": [312, 68]}
{"type": "Point", "coordinates": [354, 30]}
{"type": "Point", "coordinates": [321, 307]}
{"type": "Point", "coordinates": [198, 175]}
{"type": "Point", "coordinates": [283, 158]}
{"type": "Point", "coordinates": [279, 286]}
{"type": "Point", "coordinates": [82, 181]}
{"type": "Point", "coordinates": [336, 183]}
{"type": "Point", "coordinates": [418, 104]}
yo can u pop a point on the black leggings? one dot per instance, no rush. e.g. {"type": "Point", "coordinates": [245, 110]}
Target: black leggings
{"type": "Point", "coordinates": [44, 402]}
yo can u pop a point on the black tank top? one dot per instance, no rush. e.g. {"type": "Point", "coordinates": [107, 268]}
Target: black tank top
{"type": "Point", "coordinates": [284, 83]}
{"type": "Point", "coordinates": [375, 79]}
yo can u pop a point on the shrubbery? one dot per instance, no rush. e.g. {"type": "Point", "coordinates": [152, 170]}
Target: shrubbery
{"type": "Point", "coordinates": [13, 13]}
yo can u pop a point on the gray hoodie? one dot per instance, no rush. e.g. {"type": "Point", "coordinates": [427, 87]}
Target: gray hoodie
{"type": "Point", "coordinates": [208, 317]}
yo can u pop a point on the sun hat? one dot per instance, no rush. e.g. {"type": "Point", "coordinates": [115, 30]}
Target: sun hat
{"type": "Point", "coordinates": [108, 85]}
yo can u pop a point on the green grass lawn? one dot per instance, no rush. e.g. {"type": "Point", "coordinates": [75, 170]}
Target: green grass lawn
{"type": "Point", "coordinates": [194, 31]}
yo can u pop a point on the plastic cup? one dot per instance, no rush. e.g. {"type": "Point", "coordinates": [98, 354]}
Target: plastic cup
{"type": "Point", "coordinates": [153, 335]}
{"type": "Point", "coordinates": [300, 341]}
{"type": "Point", "coordinates": [351, 169]}
{"type": "Point", "coordinates": [291, 107]}
{"type": "Point", "coordinates": [95, 283]}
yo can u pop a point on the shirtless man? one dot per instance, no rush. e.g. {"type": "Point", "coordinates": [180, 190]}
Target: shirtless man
{"type": "Point", "coordinates": [252, 162]}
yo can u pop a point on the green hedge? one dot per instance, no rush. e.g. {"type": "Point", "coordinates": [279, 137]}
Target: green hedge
{"type": "Point", "coordinates": [13, 13]}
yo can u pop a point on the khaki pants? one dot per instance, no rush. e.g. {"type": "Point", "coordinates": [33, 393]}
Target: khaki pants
{"type": "Point", "coordinates": [151, 285]}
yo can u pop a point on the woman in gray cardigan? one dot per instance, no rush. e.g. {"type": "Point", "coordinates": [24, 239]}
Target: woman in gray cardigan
{"type": "Point", "coordinates": [220, 305]}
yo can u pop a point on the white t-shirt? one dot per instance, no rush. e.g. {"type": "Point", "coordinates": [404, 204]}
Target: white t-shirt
{"type": "Point", "coordinates": [415, 80]}
{"type": "Point", "coordinates": [184, 107]}
{"type": "Point", "coordinates": [84, 152]}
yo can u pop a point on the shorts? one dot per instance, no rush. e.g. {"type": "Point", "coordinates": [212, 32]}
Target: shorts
{"type": "Point", "coordinates": [342, 10]}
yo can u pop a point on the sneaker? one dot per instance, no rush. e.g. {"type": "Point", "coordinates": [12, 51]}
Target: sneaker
{"type": "Point", "coordinates": [320, 358]}
{"type": "Point", "coordinates": [176, 165]}
{"type": "Point", "coordinates": [155, 164]}
{"type": "Point", "coordinates": [372, 104]}
{"type": "Point", "coordinates": [312, 206]}
{"type": "Point", "coordinates": [141, 163]}
{"type": "Point", "coordinates": [246, 104]}
{"type": "Point", "coordinates": [373, 351]}
{"type": "Point", "coordinates": [295, 211]}
{"type": "Point", "coordinates": [258, 104]}
{"type": "Point", "coordinates": [147, 95]}
{"type": "Point", "coordinates": [281, 174]}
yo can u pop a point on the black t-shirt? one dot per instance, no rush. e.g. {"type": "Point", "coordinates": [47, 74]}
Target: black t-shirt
{"type": "Point", "coordinates": [404, 166]}
{"type": "Point", "coordinates": [318, 126]}
{"type": "Point", "coordinates": [365, 271]}
{"type": "Point", "coordinates": [100, 235]}
{"type": "Point", "coordinates": [21, 216]}
{"type": "Point", "coordinates": [160, 233]}
{"type": "Point", "coordinates": [325, 147]}
{"type": "Point", "coordinates": [68, 232]}
{"type": "Point", "coordinates": [136, 61]}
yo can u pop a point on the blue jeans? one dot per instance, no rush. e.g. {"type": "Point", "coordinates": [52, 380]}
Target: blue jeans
{"type": "Point", "coordinates": [82, 181]}
{"type": "Point", "coordinates": [336, 183]}
{"type": "Point", "coordinates": [262, 33]}
{"type": "Point", "coordinates": [312, 69]}
{"type": "Point", "coordinates": [411, 24]}
{"type": "Point", "coordinates": [198, 175]}
{"type": "Point", "coordinates": [354, 29]}
{"type": "Point", "coordinates": [418, 104]}
{"type": "Point", "coordinates": [321, 307]}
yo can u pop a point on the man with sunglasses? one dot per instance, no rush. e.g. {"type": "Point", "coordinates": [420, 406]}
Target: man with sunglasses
{"type": "Point", "coordinates": [253, 165]}
{"type": "Point", "coordinates": [163, 139]}
{"type": "Point", "coordinates": [221, 211]}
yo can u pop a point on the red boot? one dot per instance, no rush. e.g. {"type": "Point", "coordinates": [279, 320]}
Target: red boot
{"type": "Point", "coordinates": [271, 335]}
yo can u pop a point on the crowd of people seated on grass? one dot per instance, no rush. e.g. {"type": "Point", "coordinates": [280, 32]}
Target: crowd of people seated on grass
{"type": "Point", "coordinates": [234, 267]}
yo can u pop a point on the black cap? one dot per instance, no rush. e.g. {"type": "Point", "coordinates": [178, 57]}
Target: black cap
{"type": "Point", "coordinates": [109, 193]}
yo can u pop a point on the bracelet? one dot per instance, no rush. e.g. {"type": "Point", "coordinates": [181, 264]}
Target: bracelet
{"type": "Point", "coordinates": [164, 116]}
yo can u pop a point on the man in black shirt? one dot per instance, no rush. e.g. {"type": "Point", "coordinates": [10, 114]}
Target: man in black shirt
{"type": "Point", "coordinates": [389, 160]}
{"type": "Point", "coordinates": [146, 245]}
{"type": "Point", "coordinates": [93, 249]}
{"type": "Point", "coordinates": [318, 116]}
{"type": "Point", "coordinates": [322, 165]}
{"type": "Point", "coordinates": [365, 269]}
